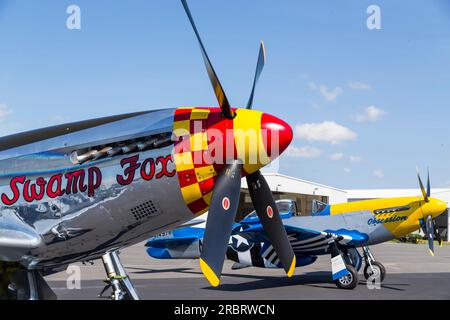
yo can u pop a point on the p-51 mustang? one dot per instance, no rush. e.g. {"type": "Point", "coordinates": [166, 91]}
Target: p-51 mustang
{"type": "Point", "coordinates": [81, 191]}
{"type": "Point", "coordinates": [337, 230]}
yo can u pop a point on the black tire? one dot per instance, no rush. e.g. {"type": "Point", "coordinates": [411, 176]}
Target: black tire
{"type": "Point", "coordinates": [348, 282]}
{"type": "Point", "coordinates": [378, 267]}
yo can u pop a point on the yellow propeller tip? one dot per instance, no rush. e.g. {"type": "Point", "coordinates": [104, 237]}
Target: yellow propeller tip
{"type": "Point", "coordinates": [290, 273]}
{"type": "Point", "coordinates": [432, 253]}
{"type": "Point", "coordinates": [209, 274]}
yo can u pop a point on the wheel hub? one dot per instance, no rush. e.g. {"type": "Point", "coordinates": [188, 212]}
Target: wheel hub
{"type": "Point", "coordinates": [374, 271]}
{"type": "Point", "coordinates": [346, 280]}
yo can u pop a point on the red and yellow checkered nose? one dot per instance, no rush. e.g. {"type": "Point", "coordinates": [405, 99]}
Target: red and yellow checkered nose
{"type": "Point", "coordinates": [205, 142]}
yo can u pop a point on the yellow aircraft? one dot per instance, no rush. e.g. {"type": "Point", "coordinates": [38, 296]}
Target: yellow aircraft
{"type": "Point", "coordinates": [338, 230]}
{"type": "Point", "coordinates": [400, 216]}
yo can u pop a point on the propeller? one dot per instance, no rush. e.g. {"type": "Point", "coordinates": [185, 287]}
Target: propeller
{"type": "Point", "coordinates": [226, 193]}
{"type": "Point", "coordinates": [270, 219]}
{"type": "Point", "coordinates": [425, 193]}
{"type": "Point", "coordinates": [259, 69]}
{"type": "Point", "coordinates": [227, 112]}
{"type": "Point", "coordinates": [430, 228]}
{"type": "Point", "coordinates": [437, 234]}
{"type": "Point", "coordinates": [222, 212]}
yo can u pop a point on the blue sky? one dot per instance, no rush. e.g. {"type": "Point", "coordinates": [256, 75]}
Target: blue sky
{"type": "Point", "coordinates": [382, 94]}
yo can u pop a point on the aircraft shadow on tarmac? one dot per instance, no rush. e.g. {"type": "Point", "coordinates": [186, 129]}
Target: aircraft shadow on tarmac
{"type": "Point", "coordinates": [319, 279]}
{"type": "Point", "coordinates": [150, 271]}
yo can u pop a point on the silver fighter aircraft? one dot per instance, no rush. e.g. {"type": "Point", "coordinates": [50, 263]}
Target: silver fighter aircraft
{"type": "Point", "coordinates": [82, 191]}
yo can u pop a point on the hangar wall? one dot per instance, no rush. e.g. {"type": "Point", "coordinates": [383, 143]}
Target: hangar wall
{"type": "Point", "coordinates": [285, 187]}
{"type": "Point", "coordinates": [286, 184]}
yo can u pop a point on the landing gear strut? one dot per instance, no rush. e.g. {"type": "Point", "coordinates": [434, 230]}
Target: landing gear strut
{"type": "Point", "coordinates": [117, 279]}
{"type": "Point", "coordinates": [373, 270]}
{"type": "Point", "coordinates": [22, 284]}
{"type": "Point", "coordinates": [345, 276]}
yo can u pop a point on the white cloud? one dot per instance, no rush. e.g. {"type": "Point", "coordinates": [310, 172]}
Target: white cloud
{"type": "Point", "coordinates": [328, 94]}
{"type": "Point", "coordinates": [355, 159]}
{"type": "Point", "coordinates": [337, 156]}
{"type": "Point", "coordinates": [370, 114]}
{"type": "Point", "coordinates": [378, 174]}
{"type": "Point", "coordinates": [303, 152]}
{"type": "Point", "coordinates": [359, 86]}
{"type": "Point", "coordinates": [306, 152]}
{"type": "Point", "coordinates": [5, 111]}
{"type": "Point", "coordinates": [327, 131]}
{"type": "Point", "coordinates": [347, 170]}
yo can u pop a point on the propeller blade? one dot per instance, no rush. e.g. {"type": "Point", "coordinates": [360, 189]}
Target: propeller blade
{"type": "Point", "coordinates": [259, 69]}
{"type": "Point", "coordinates": [438, 237]}
{"type": "Point", "coordinates": [437, 234]}
{"type": "Point", "coordinates": [227, 112]}
{"type": "Point", "coordinates": [428, 184]}
{"type": "Point", "coordinates": [430, 234]}
{"type": "Point", "coordinates": [422, 188]}
{"type": "Point", "coordinates": [271, 221]}
{"type": "Point", "coordinates": [222, 212]}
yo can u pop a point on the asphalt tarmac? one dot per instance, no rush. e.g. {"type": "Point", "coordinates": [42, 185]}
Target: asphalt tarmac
{"type": "Point", "coordinates": [411, 274]}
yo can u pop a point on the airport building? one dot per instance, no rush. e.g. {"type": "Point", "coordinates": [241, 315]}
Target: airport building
{"type": "Point", "coordinates": [304, 192]}
{"type": "Point", "coordinates": [285, 187]}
